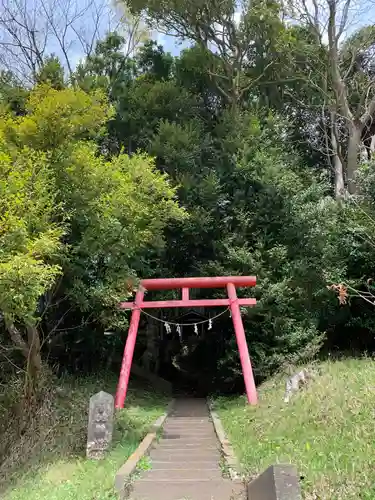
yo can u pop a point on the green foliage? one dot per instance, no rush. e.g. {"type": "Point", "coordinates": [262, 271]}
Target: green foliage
{"type": "Point", "coordinates": [154, 62]}
{"type": "Point", "coordinates": [118, 209]}
{"type": "Point", "coordinates": [12, 95]}
{"type": "Point", "coordinates": [29, 237]}
{"type": "Point", "coordinates": [51, 73]}
{"type": "Point", "coordinates": [255, 210]}
{"type": "Point", "coordinates": [149, 102]}
{"type": "Point", "coordinates": [66, 210]}
{"type": "Point", "coordinates": [244, 45]}
{"type": "Point", "coordinates": [108, 68]}
{"type": "Point", "coordinates": [281, 222]}
{"type": "Point", "coordinates": [58, 117]}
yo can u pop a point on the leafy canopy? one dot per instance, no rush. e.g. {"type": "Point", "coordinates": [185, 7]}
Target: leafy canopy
{"type": "Point", "coordinates": [68, 211]}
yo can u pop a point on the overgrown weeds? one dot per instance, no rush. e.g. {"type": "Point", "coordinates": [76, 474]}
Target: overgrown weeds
{"type": "Point", "coordinates": [47, 460]}
{"type": "Point", "coordinates": [327, 430]}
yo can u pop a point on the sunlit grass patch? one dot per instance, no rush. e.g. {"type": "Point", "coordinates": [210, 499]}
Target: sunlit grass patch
{"type": "Point", "coordinates": [327, 430]}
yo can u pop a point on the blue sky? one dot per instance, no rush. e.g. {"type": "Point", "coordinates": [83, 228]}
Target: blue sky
{"type": "Point", "coordinates": [170, 43]}
{"type": "Point", "coordinates": [365, 10]}
{"type": "Point", "coordinates": [362, 13]}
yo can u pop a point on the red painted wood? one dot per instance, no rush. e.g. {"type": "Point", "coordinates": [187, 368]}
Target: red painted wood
{"type": "Point", "coordinates": [186, 303]}
{"type": "Point", "coordinates": [185, 294]}
{"type": "Point", "coordinates": [247, 371]}
{"type": "Point", "coordinates": [127, 359]}
{"type": "Point", "coordinates": [217, 282]}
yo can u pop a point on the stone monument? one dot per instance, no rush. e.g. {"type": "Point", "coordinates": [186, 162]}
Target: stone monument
{"type": "Point", "coordinates": [100, 427]}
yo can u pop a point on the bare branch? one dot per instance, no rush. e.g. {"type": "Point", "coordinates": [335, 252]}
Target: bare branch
{"type": "Point", "coordinates": [344, 20]}
{"type": "Point", "coordinates": [369, 114]}
{"type": "Point", "coordinates": [32, 30]}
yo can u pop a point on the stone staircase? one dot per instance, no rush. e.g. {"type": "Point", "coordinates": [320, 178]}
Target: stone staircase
{"type": "Point", "coordinates": [186, 463]}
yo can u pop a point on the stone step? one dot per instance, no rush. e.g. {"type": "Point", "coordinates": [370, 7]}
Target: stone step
{"type": "Point", "coordinates": [207, 440]}
{"type": "Point", "coordinates": [197, 412]}
{"type": "Point", "coordinates": [197, 464]}
{"type": "Point", "coordinates": [174, 438]}
{"type": "Point", "coordinates": [182, 422]}
{"type": "Point", "coordinates": [187, 445]}
{"type": "Point", "coordinates": [195, 450]}
{"type": "Point", "coordinates": [199, 422]}
{"type": "Point", "coordinates": [189, 434]}
{"type": "Point", "coordinates": [188, 425]}
{"type": "Point", "coordinates": [189, 450]}
{"type": "Point", "coordinates": [188, 440]}
{"type": "Point", "coordinates": [184, 418]}
{"type": "Point", "coordinates": [181, 475]}
{"type": "Point", "coordinates": [202, 490]}
{"type": "Point", "coordinates": [185, 455]}
{"type": "Point", "coordinates": [199, 429]}
{"type": "Point", "coordinates": [209, 446]}
{"type": "Point", "coordinates": [188, 411]}
{"type": "Point", "coordinates": [185, 463]}
{"type": "Point", "coordinates": [189, 417]}
{"type": "Point", "coordinates": [188, 429]}
{"type": "Point", "coordinates": [191, 437]}
{"type": "Point", "coordinates": [202, 416]}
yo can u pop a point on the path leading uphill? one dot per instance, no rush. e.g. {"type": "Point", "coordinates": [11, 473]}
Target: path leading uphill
{"type": "Point", "coordinates": [186, 462]}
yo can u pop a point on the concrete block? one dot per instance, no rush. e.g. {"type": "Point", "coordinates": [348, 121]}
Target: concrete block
{"type": "Point", "coordinates": [278, 482]}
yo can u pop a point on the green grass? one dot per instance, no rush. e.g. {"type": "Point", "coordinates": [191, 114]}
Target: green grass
{"type": "Point", "coordinates": [59, 470]}
{"type": "Point", "coordinates": [327, 430]}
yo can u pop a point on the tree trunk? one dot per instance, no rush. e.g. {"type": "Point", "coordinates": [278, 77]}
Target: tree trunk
{"type": "Point", "coordinates": [30, 350]}
{"type": "Point", "coordinates": [339, 177]}
{"type": "Point", "coordinates": [355, 132]}
{"type": "Point", "coordinates": [35, 359]}
{"type": "Point", "coordinates": [337, 163]}
{"type": "Point", "coordinates": [372, 146]}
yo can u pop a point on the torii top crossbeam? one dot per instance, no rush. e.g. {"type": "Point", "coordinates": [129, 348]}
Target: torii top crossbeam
{"type": "Point", "coordinates": [218, 282]}
{"type": "Point", "coordinates": [228, 282]}
{"type": "Point", "coordinates": [187, 283]}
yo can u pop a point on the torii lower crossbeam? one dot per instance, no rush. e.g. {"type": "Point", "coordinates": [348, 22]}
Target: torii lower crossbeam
{"type": "Point", "coordinates": [229, 282]}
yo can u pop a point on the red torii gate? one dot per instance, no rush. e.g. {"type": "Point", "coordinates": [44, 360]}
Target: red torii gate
{"type": "Point", "coordinates": [234, 303]}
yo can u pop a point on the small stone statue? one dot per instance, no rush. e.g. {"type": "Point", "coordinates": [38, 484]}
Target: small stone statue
{"type": "Point", "coordinates": [100, 427]}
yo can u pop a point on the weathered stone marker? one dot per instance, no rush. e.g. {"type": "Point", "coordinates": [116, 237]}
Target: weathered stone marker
{"type": "Point", "coordinates": [278, 482]}
{"type": "Point", "coordinates": [100, 428]}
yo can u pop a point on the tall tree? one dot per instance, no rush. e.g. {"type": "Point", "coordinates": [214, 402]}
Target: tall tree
{"type": "Point", "coordinates": [242, 42]}
{"type": "Point", "coordinates": [329, 21]}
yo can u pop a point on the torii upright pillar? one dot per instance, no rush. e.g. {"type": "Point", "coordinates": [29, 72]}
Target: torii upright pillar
{"type": "Point", "coordinates": [233, 302]}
